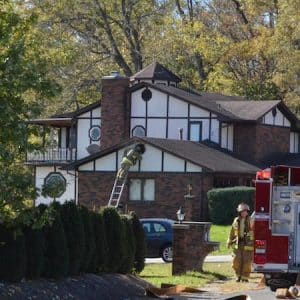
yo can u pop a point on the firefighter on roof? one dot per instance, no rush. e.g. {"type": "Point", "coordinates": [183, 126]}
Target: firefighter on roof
{"type": "Point", "coordinates": [241, 240]}
{"type": "Point", "coordinates": [130, 159]}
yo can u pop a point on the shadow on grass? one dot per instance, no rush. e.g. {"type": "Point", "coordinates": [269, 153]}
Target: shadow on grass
{"type": "Point", "coordinates": [217, 275]}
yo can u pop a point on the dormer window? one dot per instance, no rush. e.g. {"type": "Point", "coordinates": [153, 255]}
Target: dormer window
{"type": "Point", "coordinates": [95, 133]}
{"type": "Point", "coordinates": [139, 131]}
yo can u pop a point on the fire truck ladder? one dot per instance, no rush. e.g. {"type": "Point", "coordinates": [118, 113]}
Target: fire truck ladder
{"type": "Point", "coordinates": [117, 191]}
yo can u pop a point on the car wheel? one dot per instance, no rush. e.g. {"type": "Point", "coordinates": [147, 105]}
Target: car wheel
{"type": "Point", "coordinates": [167, 253]}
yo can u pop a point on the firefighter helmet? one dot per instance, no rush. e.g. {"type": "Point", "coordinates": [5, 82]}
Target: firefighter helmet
{"type": "Point", "coordinates": [242, 206]}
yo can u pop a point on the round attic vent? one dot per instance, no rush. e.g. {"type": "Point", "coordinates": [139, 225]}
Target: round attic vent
{"type": "Point", "coordinates": [146, 94]}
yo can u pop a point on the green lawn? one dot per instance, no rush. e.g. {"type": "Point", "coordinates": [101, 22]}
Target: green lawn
{"type": "Point", "coordinates": [162, 273]}
{"type": "Point", "coordinates": [219, 233]}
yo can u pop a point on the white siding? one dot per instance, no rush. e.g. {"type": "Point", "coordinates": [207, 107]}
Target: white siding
{"type": "Point", "coordinates": [87, 167]}
{"type": "Point", "coordinates": [83, 139]}
{"type": "Point", "coordinates": [214, 132]}
{"type": "Point", "coordinates": [177, 108]}
{"type": "Point", "coordinates": [156, 128]}
{"type": "Point", "coordinates": [173, 163]}
{"type": "Point", "coordinates": [198, 112]}
{"type": "Point", "coordinates": [192, 168]}
{"type": "Point", "coordinates": [106, 163]}
{"type": "Point", "coordinates": [278, 120]}
{"type": "Point", "coordinates": [174, 126]}
{"type": "Point", "coordinates": [84, 124]}
{"type": "Point", "coordinates": [294, 142]}
{"type": "Point", "coordinates": [41, 174]}
{"type": "Point", "coordinates": [157, 105]}
{"type": "Point", "coordinates": [172, 115]}
{"type": "Point", "coordinates": [151, 160]}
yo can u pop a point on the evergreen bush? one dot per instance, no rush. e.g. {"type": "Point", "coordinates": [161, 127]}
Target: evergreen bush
{"type": "Point", "coordinates": [56, 250]}
{"type": "Point", "coordinates": [115, 236]}
{"type": "Point", "coordinates": [129, 247]}
{"type": "Point", "coordinates": [100, 242]}
{"type": "Point", "coordinates": [222, 203]}
{"type": "Point", "coordinates": [90, 246]}
{"type": "Point", "coordinates": [140, 242]}
{"type": "Point", "coordinates": [12, 254]}
{"type": "Point", "coordinates": [74, 231]}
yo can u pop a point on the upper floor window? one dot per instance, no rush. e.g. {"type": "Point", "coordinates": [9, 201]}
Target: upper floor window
{"type": "Point", "coordinates": [95, 133]}
{"type": "Point", "coordinates": [294, 142]}
{"type": "Point", "coordinates": [139, 131]}
{"type": "Point", "coordinates": [142, 190]}
{"type": "Point", "coordinates": [146, 94]}
{"type": "Point", "coordinates": [195, 131]}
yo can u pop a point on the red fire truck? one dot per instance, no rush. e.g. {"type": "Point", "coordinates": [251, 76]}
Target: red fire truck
{"type": "Point", "coordinates": [277, 225]}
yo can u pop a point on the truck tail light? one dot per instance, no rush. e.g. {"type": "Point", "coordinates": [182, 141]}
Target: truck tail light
{"type": "Point", "coordinates": [260, 246]}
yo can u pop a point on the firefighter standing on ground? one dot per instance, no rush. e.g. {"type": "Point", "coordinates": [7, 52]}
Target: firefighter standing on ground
{"type": "Point", "coordinates": [130, 159]}
{"type": "Point", "coordinates": [241, 240]}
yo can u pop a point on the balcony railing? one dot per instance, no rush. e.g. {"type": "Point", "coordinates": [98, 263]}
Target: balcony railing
{"type": "Point", "coordinates": [52, 155]}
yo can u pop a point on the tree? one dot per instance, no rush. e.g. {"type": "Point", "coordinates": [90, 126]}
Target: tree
{"type": "Point", "coordinates": [23, 82]}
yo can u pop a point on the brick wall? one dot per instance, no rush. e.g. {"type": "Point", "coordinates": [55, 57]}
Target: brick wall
{"type": "Point", "coordinates": [114, 111]}
{"type": "Point", "coordinates": [94, 190]}
{"type": "Point", "coordinates": [271, 139]}
{"type": "Point", "coordinates": [253, 143]}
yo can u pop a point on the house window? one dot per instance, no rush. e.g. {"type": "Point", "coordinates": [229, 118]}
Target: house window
{"type": "Point", "coordinates": [95, 133]}
{"type": "Point", "coordinates": [139, 131]}
{"type": "Point", "coordinates": [142, 190]}
{"type": "Point", "coordinates": [195, 131]}
{"type": "Point", "coordinates": [54, 185]}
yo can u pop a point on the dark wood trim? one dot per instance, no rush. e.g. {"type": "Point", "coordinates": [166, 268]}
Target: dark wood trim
{"type": "Point", "coordinates": [185, 166]}
{"type": "Point", "coordinates": [91, 124]}
{"type": "Point", "coordinates": [167, 125]}
{"type": "Point", "coordinates": [170, 117]}
{"type": "Point", "coordinates": [162, 160]}
{"type": "Point", "coordinates": [209, 127]}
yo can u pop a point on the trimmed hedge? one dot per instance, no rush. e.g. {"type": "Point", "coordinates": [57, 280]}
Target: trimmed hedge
{"type": "Point", "coordinates": [115, 237]}
{"type": "Point", "coordinates": [75, 235]}
{"type": "Point", "coordinates": [12, 254]}
{"type": "Point", "coordinates": [62, 240]}
{"type": "Point", "coordinates": [222, 203]}
{"type": "Point", "coordinates": [140, 243]}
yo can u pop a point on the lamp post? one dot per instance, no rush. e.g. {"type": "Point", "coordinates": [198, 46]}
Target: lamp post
{"type": "Point", "coordinates": [180, 215]}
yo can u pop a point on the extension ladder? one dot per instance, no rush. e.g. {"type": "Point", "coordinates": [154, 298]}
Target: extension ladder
{"type": "Point", "coordinates": [117, 191]}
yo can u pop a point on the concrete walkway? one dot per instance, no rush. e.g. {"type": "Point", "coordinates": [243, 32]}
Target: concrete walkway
{"type": "Point", "coordinates": [209, 258]}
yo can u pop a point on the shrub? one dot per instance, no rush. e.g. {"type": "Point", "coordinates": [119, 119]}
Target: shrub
{"type": "Point", "coordinates": [56, 250]}
{"type": "Point", "coordinates": [100, 242]}
{"type": "Point", "coordinates": [222, 203]}
{"type": "Point", "coordinates": [12, 254]}
{"type": "Point", "coordinates": [140, 242]}
{"type": "Point", "coordinates": [114, 229]}
{"type": "Point", "coordinates": [74, 231]}
{"type": "Point", "coordinates": [129, 247]}
{"type": "Point", "coordinates": [90, 246]}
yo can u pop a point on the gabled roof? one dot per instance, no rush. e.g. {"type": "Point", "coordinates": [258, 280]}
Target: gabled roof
{"type": "Point", "coordinates": [65, 119]}
{"type": "Point", "coordinates": [156, 71]}
{"type": "Point", "coordinates": [208, 158]}
{"type": "Point", "coordinates": [287, 159]}
{"type": "Point", "coordinates": [249, 110]}
{"type": "Point", "coordinates": [78, 112]}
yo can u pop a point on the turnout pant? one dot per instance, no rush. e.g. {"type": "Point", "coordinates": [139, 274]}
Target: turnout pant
{"type": "Point", "coordinates": [242, 260]}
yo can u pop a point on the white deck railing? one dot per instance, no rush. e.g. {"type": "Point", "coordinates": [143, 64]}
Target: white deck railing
{"type": "Point", "coordinates": [52, 154]}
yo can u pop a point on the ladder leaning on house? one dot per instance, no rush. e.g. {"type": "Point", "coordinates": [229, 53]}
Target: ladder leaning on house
{"type": "Point", "coordinates": [117, 191]}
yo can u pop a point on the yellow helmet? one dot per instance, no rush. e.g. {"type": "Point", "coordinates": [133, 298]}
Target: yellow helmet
{"type": "Point", "coordinates": [242, 206]}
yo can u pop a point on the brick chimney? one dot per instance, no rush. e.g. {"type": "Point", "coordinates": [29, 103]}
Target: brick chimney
{"type": "Point", "coordinates": [114, 110]}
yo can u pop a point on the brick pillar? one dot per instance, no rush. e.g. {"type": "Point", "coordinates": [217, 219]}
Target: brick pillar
{"type": "Point", "coordinates": [191, 246]}
{"type": "Point", "coordinates": [114, 110]}
{"type": "Point", "coordinates": [190, 208]}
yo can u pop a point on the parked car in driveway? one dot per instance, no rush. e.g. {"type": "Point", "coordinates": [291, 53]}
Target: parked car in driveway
{"type": "Point", "coordinates": [159, 237]}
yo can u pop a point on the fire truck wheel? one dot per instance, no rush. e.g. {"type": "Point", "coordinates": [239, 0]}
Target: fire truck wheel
{"type": "Point", "coordinates": [276, 283]}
